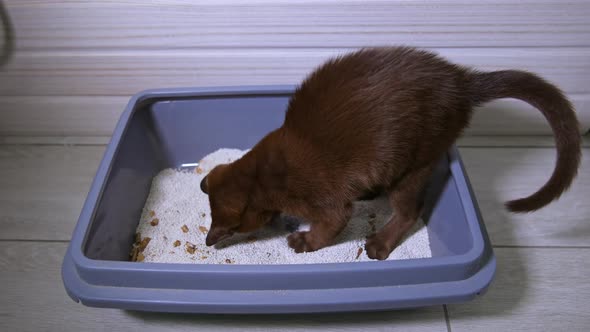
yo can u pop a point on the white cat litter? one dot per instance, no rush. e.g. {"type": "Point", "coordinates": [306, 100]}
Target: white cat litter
{"type": "Point", "coordinates": [176, 218]}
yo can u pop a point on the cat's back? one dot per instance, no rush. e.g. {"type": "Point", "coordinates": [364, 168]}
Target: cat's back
{"type": "Point", "coordinates": [370, 87]}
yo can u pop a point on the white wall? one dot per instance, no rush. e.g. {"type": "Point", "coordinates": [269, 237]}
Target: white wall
{"type": "Point", "coordinates": [77, 62]}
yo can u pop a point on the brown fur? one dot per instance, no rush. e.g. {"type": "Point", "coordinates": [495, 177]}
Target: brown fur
{"type": "Point", "coordinates": [375, 118]}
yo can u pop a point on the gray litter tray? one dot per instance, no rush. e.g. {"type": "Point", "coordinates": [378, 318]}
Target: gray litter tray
{"type": "Point", "coordinates": [168, 128]}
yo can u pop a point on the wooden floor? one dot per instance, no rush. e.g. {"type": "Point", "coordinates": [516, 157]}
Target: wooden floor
{"type": "Point", "coordinates": [541, 282]}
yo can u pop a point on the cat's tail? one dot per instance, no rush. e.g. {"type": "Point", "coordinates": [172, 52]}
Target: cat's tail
{"type": "Point", "coordinates": [558, 111]}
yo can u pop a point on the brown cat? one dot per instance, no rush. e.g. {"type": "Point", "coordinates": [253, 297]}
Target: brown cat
{"type": "Point", "coordinates": [375, 118]}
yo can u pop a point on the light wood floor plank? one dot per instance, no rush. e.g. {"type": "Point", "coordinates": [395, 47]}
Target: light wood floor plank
{"type": "Point", "coordinates": [33, 299]}
{"type": "Point", "coordinates": [501, 174]}
{"type": "Point", "coordinates": [534, 290]}
{"type": "Point", "coordinates": [42, 189]}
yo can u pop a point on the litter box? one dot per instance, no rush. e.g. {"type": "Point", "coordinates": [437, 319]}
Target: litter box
{"type": "Point", "coordinates": [174, 127]}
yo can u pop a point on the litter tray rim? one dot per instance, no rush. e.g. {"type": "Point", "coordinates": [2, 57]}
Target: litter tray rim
{"type": "Point", "coordinates": [94, 195]}
{"type": "Point", "coordinates": [281, 301]}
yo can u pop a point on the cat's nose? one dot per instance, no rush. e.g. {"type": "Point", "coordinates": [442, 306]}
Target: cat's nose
{"type": "Point", "coordinates": [215, 235]}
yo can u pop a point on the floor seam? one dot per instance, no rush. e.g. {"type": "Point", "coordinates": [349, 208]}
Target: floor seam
{"type": "Point", "coordinates": [447, 318]}
{"type": "Point", "coordinates": [538, 247]}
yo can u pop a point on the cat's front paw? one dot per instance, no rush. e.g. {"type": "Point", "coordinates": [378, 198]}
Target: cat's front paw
{"type": "Point", "coordinates": [378, 247]}
{"type": "Point", "coordinates": [299, 241]}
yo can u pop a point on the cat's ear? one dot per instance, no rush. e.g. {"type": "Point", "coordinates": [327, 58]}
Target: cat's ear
{"type": "Point", "coordinates": [214, 174]}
